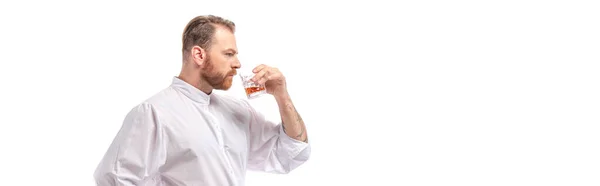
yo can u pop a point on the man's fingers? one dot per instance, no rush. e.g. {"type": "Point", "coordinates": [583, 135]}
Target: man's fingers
{"type": "Point", "coordinates": [263, 80]}
{"type": "Point", "coordinates": [265, 73]}
{"type": "Point", "coordinates": [258, 68]}
{"type": "Point", "coordinates": [272, 75]}
{"type": "Point", "coordinates": [260, 74]}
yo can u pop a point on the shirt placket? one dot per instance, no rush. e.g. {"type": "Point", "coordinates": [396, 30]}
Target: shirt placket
{"type": "Point", "coordinates": [222, 145]}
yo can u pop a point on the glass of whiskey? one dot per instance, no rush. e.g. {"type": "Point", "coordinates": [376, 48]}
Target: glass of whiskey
{"type": "Point", "coordinates": [252, 89]}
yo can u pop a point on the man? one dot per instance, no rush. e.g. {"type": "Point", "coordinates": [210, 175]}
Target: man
{"type": "Point", "coordinates": [187, 134]}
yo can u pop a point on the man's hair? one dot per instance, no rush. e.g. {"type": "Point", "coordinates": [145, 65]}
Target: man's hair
{"type": "Point", "coordinates": [200, 30]}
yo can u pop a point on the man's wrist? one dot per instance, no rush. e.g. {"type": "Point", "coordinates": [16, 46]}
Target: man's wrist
{"type": "Point", "coordinates": [281, 95]}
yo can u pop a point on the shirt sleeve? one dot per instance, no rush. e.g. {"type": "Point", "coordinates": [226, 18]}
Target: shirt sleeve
{"type": "Point", "coordinates": [132, 158]}
{"type": "Point", "coordinates": [271, 149]}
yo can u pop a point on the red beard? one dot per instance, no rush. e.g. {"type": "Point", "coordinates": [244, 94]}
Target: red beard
{"type": "Point", "coordinates": [217, 80]}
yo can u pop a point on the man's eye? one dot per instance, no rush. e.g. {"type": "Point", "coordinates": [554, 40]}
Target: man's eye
{"type": "Point", "coordinates": [229, 54]}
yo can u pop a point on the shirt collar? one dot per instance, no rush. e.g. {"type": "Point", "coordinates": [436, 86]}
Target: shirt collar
{"type": "Point", "coordinates": [190, 91]}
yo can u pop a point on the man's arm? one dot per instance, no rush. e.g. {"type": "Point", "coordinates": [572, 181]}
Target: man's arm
{"type": "Point", "coordinates": [134, 155]}
{"type": "Point", "coordinates": [276, 148]}
{"type": "Point", "coordinates": [293, 125]}
{"type": "Point", "coordinates": [275, 83]}
{"type": "Point", "coordinates": [270, 148]}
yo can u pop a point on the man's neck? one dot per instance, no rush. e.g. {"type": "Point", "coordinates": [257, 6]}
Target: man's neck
{"type": "Point", "coordinates": [195, 80]}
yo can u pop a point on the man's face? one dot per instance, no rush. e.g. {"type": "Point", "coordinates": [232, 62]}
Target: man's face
{"type": "Point", "coordinates": [221, 60]}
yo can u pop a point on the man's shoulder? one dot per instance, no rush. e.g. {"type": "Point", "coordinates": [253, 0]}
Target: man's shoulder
{"type": "Point", "coordinates": [158, 100]}
{"type": "Point", "coordinates": [163, 96]}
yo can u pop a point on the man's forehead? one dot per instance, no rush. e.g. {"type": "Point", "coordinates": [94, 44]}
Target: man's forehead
{"type": "Point", "coordinates": [224, 38]}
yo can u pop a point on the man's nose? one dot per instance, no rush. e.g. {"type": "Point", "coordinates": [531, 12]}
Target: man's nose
{"type": "Point", "coordinates": [236, 64]}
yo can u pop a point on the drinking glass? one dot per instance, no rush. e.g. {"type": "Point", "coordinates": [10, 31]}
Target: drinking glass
{"type": "Point", "coordinates": [252, 89]}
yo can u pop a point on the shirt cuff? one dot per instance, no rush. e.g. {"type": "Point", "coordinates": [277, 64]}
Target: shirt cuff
{"type": "Point", "coordinates": [293, 146]}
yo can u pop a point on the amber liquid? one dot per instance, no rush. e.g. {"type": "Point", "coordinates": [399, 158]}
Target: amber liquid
{"type": "Point", "coordinates": [251, 90]}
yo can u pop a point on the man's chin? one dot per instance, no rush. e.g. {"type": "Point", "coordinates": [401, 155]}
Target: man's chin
{"type": "Point", "coordinates": [225, 86]}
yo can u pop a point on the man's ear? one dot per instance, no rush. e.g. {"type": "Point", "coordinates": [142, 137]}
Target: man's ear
{"type": "Point", "coordinates": [198, 55]}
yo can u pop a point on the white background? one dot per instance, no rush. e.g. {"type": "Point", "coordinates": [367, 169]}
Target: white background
{"type": "Point", "coordinates": [413, 93]}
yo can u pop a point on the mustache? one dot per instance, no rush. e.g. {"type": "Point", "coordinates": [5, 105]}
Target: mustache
{"type": "Point", "coordinates": [232, 72]}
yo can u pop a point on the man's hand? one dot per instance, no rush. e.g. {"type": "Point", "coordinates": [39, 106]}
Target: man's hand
{"type": "Point", "coordinates": [271, 78]}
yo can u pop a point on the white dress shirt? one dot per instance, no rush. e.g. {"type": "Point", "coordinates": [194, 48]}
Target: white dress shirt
{"type": "Point", "coordinates": [182, 136]}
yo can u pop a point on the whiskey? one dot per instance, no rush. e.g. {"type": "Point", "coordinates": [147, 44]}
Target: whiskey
{"type": "Point", "coordinates": [252, 90]}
